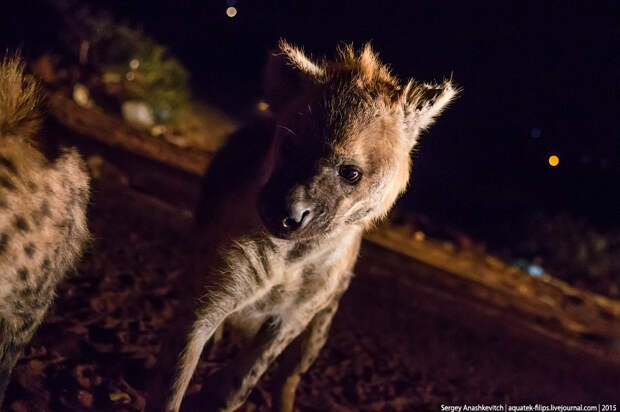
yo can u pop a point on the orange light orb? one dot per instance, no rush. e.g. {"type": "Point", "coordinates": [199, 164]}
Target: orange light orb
{"type": "Point", "coordinates": [554, 160]}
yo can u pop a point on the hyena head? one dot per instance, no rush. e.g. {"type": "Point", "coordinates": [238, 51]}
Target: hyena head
{"type": "Point", "coordinates": [343, 137]}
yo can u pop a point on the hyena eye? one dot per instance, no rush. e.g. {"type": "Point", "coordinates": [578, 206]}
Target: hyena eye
{"type": "Point", "coordinates": [352, 174]}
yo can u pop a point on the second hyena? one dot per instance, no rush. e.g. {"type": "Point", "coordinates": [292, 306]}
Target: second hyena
{"type": "Point", "coordinates": [42, 217]}
{"type": "Point", "coordinates": [283, 209]}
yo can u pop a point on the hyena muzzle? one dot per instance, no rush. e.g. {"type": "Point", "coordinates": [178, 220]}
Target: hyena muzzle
{"type": "Point", "coordinates": [42, 217]}
{"type": "Point", "coordinates": [281, 216]}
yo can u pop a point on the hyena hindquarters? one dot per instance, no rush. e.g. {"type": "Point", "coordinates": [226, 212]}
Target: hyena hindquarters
{"type": "Point", "coordinates": [42, 217]}
{"type": "Point", "coordinates": [287, 215]}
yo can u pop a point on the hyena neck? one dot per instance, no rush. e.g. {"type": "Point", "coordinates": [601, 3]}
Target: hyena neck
{"type": "Point", "coordinates": [304, 250]}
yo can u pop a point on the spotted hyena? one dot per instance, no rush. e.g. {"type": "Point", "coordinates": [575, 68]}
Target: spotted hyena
{"type": "Point", "coordinates": [42, 216]}
{"type": "Point", "coordinates": [283, 209]}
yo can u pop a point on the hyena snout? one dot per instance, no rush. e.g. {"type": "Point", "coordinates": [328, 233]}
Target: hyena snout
{"type": "Point", "coordinates": [299, 214]}
{"type": "Point", "coordinates": [290, 214]}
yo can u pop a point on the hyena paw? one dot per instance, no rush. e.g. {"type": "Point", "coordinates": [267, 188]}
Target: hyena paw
{"type": "Point", "coordinates": [223, 392]}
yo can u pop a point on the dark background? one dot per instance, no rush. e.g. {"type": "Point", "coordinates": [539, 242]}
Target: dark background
{"type": "Point", "coordinates": [527, 69]}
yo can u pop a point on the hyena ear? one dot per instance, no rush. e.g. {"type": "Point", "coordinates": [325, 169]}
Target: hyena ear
{"type": "Point", "coordinates": [287, 70]}
{"type": "Point", "coordinates": [424, 102]}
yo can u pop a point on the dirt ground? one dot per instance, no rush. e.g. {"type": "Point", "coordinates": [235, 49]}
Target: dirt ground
{"type": "Point", "coordinates": [391, 348]}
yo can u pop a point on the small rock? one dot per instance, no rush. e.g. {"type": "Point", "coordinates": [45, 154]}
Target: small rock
{"type": "Point", "coordinates": [120, 397]}
{"type": "Point", "coordinates": [85, 398]}
{"type": "Point", "coordinates": [158, 130]}
{"type": "Point", "coordinates": [85, 375]}
{"type": "Point", "coordinates": [138, 114]}
{"type": "Point", "coordinates": [176, 139]}
{"type": "Point", "coordinates": [81, 95]}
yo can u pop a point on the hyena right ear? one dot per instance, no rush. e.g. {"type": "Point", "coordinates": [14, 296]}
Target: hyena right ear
{"type": "Point", "coordinates": [287, 70]}
{"type": "Point", "coordinates": [423, 102]}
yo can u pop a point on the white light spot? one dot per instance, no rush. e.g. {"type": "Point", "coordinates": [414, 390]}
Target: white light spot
{"type": "Point", "coordinates": [231, 12]}
{"type": "Point", "coordinates": [535, 270]}
{"type": "Point", "coordinates": [134, 64]}
{"type": "Point", "coordinates": [81, 95]}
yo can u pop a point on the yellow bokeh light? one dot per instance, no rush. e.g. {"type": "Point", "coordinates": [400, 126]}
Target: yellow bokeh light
{"type": "Point", "coordinates": [231, 12]}
{"type": "Point", "coordinates": [554, 160]}
{"type": "Point", "coordinates": [262, 106]}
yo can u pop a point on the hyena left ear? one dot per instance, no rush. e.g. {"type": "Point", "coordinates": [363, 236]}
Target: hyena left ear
{"type": "Point", "coordinates": [287, 70]}
{"type": "Point", "coordinates": [424, 102]}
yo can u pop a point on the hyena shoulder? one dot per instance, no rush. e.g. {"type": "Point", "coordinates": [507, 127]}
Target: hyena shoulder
{"type": "Point", "coordinates": [42, 225]}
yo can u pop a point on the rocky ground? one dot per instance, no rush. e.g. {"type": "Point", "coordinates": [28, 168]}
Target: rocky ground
{"type": "Point", "coordinates": [390, 348]}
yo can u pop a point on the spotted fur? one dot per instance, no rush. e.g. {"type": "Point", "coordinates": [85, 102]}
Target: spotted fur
{"type": "Point", "coordinates": [276, 282]}
{"type": "Point", "coordinates": [41, 231]}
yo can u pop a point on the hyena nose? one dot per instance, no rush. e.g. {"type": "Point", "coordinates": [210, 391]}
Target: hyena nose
{"type": "Point", "coordinates": [299, 215]}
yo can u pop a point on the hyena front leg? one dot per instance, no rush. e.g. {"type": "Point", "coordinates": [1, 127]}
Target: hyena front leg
{"type": "Point", "coordinates": [230, 387]}
{"type": "Point", "coordinates": [10, 351]}
{"type": "Point", "coordinates": [224, 297]}
{"type": "Point", "coordinates": [209, 320]}
{"type": "Point", "coordinates": [299, 356]}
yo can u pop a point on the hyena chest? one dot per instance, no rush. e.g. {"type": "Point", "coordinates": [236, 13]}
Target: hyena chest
{"type": "Point", "coordinates": [310, 286]}
{"type": "Point", "coordinates": [294, 279]}
{"type": "Point", "coordinates": [306, 291]}
{"type": "Point", "coordinates": [308, 279]}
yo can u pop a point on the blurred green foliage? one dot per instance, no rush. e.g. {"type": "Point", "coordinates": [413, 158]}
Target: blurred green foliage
{"type": "Point", "coordinates": [155, 77]}
{"type": "Point", "coordinates": [149, 73]}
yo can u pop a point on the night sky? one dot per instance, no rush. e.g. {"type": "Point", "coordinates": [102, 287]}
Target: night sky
{"type": "Point", "coordinates": [539, 79]}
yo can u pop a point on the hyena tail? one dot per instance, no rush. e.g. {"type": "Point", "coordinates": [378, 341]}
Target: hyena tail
{"type": "Point", "coordinates": [19, 100]}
